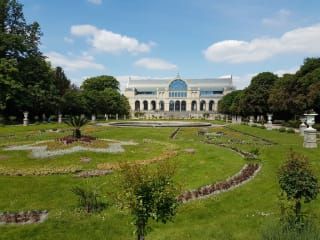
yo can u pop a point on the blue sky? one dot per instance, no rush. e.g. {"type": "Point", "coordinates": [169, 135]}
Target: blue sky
{"type": "Point", "coordinates": [197, 38]}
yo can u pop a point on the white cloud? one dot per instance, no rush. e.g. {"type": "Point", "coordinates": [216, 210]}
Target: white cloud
{"type": "Point", "coordinates": [97, 2]}
{"type": "Point", "coordinates": [280, 19]}
{"type": "Point", "coordinates": [74, 63]}
{"type": "Point", "coordinates": [110, 42]}
{"type": "Point", "coordinates": [155, 64]}
{"type": "Point", "coordinates": [68, 40]}
{"type": "Point", "coordinates": [301, 40]}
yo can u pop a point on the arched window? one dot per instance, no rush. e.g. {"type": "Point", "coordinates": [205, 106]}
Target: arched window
{"type": "Point", "coordinates": [194, 106]}
{"type": "Point", "coordinates": [161, 106]}
{"type": "Point", "coordinates": [171, 106]}
{"type": "Point", "coordinates": [211, 105]}
{"type": "Point", "coordinates": [178, 89]}
{"type": "Point", "coordinates": [177, 106]}
{"type": "Point", "coordinates": [202, 105]}
{"type": "Point", "coordinates": [153, 105]}
{"type": "Point", "coordinates": [145, 105]}
{"type": "Point", "coordinates": [137, 106]}
{"type": "Point", "coordinates": [183, 106]}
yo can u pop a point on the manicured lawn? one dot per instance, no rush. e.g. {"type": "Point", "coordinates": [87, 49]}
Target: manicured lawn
{"type": "Point", "coordinates": [238, 214]}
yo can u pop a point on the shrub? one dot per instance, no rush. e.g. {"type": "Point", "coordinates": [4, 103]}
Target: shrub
{"type": "Point", "coordinates": [282, 129]}
{"type": "Point", "coordinates": [255, 151]}
{"type": "Point", "coordinates": [77, 122]}
{"type": "Point", "coordinates": [254, 125]}
{"type": "Point", "coordinates": [262, 127]}
{"type": "Point", "coordinates": [290, 130]}
{"type": "Point", "coordinates": [292, 124]}
{"type": "Point", "coordinates": [88, 199]}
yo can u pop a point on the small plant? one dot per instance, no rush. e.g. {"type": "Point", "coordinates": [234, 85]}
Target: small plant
{"type": "Point", "coordinates": [262, 127]}
{"type": "Point", "coordinates": [254, 125]}
{"type": "Point", "coordinates": [255, 151]}
{"type": "Point", "coordinates": [282, 130]}
{"type": "Point", "coordinates": [89, 200]}
{"type": "Point", "coordinates": [77, 122]}
{"type": "Point", "coordinates": [298, 182]}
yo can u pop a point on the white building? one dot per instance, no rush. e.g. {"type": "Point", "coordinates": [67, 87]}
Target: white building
{"type": "Point", "coordinates": [177, 97]}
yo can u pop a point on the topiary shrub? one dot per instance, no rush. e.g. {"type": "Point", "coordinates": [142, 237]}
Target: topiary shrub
{"type": "Point", "coordinates": [290, 130]}
{"type": "Point", "coordinates": [282, 129]}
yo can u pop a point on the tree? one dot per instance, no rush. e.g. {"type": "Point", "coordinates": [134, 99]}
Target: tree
{"type": "Point", "coordinates": [77, 122]}
{"type": "Point", "coordinates": [73, 102]}
{"type": "Point", "coordinates": [254, 100]}
{"type": "Point", "coordinates": [298, 182]}
{"type": "Point", "coordinates": [149, 194]}
{"type": "Point", "coordinates": [227, 104]}
{"type": "Point", "coordinates": [100, 83]}
{"type": "Point", "coordinates": [61, 81]}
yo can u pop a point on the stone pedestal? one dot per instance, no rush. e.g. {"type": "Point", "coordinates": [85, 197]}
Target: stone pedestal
{"type": "Point", "coordinates": [44, 117]}
{"type": "Point", "coordinates": [302, 128]}
{"type": "Point", "coordinates": [310, 138]}
{"type": "Point", "coordinates": [239, 119]}
{"type": "Point", "coordinates": [269, 123]}
{"type": "Point", "coordinates": [124, 117]}
{"type": "Point", "coordinates": [25, 118]}
{"type": "Point", "coordinates": [59, 118]}
{"type": "Point", "coordinates": [117, 117]}
{"type": "Point", "coordinates": [106, 116]}
{"type": "Point", "coordinates": [234, 119]}
{"type": "Point", "coordinates": [93, 118]}
{"type": "Point", "coordinates": [251, 120]}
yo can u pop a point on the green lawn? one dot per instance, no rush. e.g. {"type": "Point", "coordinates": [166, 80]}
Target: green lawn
{"type": "Point", "coordinates": [236, 214]}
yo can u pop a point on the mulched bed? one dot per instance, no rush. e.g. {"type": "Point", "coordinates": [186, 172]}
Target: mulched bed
{"type": "Point", "coordinates": [28, 217]}
{"type": "Point", "coordinates": [72, 139]}
{"type": "Point", "coordinates": [246, 173]}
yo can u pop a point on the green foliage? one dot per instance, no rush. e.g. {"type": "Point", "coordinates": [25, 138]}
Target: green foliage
{"type": "Point", "coordinates": [298, 182]}
{"type": "Point", "coordinates": [149, 194]}
{"type": "Point", "coordinates": [77, 122]}
{"type": "Point", "coordinates": [228, 104]}
{"type": "Point", "coordinates": [290, 130]}
{"type": "Point", "coordinates": [88, 199]}
{"type": "Point", "coordinates": [282, 129]}
{"type": "Point", "coordinates": [254, 99]}
{"type": "Point", "coordinates": [100, 83]}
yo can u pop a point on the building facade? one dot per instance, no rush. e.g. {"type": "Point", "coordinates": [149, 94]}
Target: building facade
{"type": "Point", "coordinates": [184, 97]}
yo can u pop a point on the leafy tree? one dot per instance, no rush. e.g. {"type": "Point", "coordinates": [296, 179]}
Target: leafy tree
{"type": "Point", "coordinates": [61, 81]}
{"type": "Point", "coordinates": [77, 122]}
{"type": "Point", "coordinates": [73, 102]}
{"type": "Point", "coordinates": [149, 194]}
{"type": "Point", "coordinates": [100, 83]}
{"type": "Point", "coordinates": [254, 100]}
{"type": "Point", "coordinates": [227, 104]}
{"type": "Point", "coordinates": [298, 182]}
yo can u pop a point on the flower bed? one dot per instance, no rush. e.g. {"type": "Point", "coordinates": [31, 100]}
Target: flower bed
{"type": "Point", "coordinates": [93, 173]}
{"type": "Point", "coordinates": [246, 173]}
{"type": "Point", "coordinates": [23, 217]}
{"type": "Point", "coordinates": [39, 171]}
{"type": "Point", "coordinates": [71, 139]}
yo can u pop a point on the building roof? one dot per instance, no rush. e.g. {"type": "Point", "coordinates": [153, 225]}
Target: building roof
{"type": "Point", "coordinates": [223, 82]}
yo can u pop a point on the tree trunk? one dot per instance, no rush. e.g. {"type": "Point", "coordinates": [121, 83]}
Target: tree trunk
{"type": "Point", "coordinates": [141, 230]}
{"type": "Point", "coordinates": [298, 210]}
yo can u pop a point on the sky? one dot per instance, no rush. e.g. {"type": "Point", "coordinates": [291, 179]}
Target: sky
{"type": "Point", "coordinates": [161, 38]}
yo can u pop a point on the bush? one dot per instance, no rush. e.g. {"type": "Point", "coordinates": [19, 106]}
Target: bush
{"type": "Point", "coordinates": [290, 130]}
{"type": "Point", "coordinates": [317, 126]}
{"type": "Point", "coordinates": [292, 124]}
{"type": "Point", "coordinates": [262, 127]}
{"type": "Point", "coordinates": [254, 125]}
{"type": "Point", "coordinates": [282, 129]}
{"type": "Point", "coordinates": [255, 151]}
{"type": "Point", "coordinates": [88, 199]}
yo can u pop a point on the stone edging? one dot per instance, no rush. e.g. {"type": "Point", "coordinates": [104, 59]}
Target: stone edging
{"type": "Point", "coordinates": [27, 217]}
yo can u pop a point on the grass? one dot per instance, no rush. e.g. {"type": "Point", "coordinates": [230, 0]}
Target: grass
{"type": "Point", "coordinates": [231, 215]}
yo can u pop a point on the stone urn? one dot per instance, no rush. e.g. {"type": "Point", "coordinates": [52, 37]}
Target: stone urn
{"type": "Point", "coordinates": [25, 118]}
{"type": "Point", "coordinates": [310, 134]}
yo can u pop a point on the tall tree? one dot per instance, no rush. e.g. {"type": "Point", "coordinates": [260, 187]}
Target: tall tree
{"type": "Point", "coordinates": [100, 83]}
{"type": "Point", "coordinates": [254, 100]}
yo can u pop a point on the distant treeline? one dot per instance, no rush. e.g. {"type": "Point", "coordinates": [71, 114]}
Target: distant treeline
{"type": "Point", "coordinates": [287, 97]}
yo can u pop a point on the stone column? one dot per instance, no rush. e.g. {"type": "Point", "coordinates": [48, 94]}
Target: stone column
{"type": "Point", "coordinates": [25, 118]}
{"type": "Point", "coordinates": [59, 118]}
{"type": "Point", "coordinates": [234, 119]}
{"type": "Point", "coordinates": [43, 117]}
{"type": "Point", "coordinates": [124, 117]}
{"type": "Point", "coordinates": [93, 118]}
{"type": "Point", "coordinates": [117, 116]}
{"type": "Point", "coordinates": [310, 134]}
{"type": "Point", "coordinates": [106, 116]}
{"type": "Point", "coordinates": [269, 124]}
{"type": "Point", "coordinates": [239, 119]}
